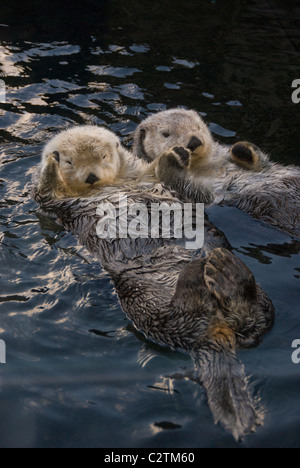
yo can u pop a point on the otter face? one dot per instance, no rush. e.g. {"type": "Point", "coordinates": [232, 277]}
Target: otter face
{"type": "Point", "coordinates": [165, 130]}
{"type": "Point", "coordinates": [88, 156]}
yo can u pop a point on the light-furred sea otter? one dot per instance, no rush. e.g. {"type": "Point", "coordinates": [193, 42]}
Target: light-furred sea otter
{"type": "Point", "coordinates": [188, 160]}
{"type": "Point", "coordinates": [89, 157]}
{"type": "Point", "coordinates": [204, 302]}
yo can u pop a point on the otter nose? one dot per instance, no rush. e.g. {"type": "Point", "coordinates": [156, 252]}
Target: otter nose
{"type": "Point", "coordinates": [92, 179]}
{"type": "Point", "coordinates": [194, 143]}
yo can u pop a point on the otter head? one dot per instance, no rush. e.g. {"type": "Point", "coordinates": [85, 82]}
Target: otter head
{"type": "Point", "coordinates": [175, 127]}
{"type": "Point", "coordinates": [88, 157]}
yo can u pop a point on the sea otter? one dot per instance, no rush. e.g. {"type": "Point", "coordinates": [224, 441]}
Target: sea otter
{"type": "Point", "coordinates": [205, 301]}
{"type": "Point", "coordinates": [185, 157]}
{"type": "Point", "coordinates": [89, 157]}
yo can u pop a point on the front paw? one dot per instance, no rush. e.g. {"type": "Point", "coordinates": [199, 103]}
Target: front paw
{"type": "Point", "coordinates": [183, 156]}
{"type": "Point", "coordinates": [53, 158]}
{"type": "Point", "coordinates": [245, 154]}
{"type": "Point", "coordinates": [172, 165]}
{"type": "Point", "coordinates": [178, 158]}
{"type": "Point", "coordinates": [51, 172]}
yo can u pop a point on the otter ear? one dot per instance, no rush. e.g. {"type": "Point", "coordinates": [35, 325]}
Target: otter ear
{"type": "Point", "coordinates": [139, 147]}
{"type": "Point", "coordinates": [142, 134]}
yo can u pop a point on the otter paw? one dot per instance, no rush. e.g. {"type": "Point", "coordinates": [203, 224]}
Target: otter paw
{"type": "Point", "coordinates": [172, 163]}
{"type": "Point", "coordinates": [54, 157]}
{"type": "Point", "coordinates": [184, 155]}
{"type": "Point", "coordinates": [245, 154]}
{"type": "Point", "coordinates": [51, 168]}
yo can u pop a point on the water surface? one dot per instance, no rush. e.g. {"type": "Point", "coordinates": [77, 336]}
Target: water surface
{"type": "Point", "coordinates": [77, 373]}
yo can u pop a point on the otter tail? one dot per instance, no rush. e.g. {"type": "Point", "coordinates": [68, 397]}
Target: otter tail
{"type": "Point", "coordinates": [229, 399]}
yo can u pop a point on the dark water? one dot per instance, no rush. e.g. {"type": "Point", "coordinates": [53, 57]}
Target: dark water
{"type": "Point", "coordinates": [77, 373]}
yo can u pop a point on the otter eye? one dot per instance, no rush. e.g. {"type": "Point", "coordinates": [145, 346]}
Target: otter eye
{"type": "Point", "coordinates": [166, 135]}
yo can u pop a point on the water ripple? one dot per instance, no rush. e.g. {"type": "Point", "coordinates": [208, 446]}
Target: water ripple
{"type": "Point", "coordinates": [57, 306]}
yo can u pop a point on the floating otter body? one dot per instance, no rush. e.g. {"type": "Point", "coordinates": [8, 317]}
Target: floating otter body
{"type": "Point", "coordinates": [205, 302]}
{"type": "Point", "coordinates": [205, 171]}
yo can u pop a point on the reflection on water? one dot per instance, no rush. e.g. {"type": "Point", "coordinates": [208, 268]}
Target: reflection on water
{"type": "Point", "coordinates": [73, 359]}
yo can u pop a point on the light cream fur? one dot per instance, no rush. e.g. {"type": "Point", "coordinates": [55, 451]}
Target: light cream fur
{"type": "Point", "coordinates": [161, 132]}
{"type": "Point", "coordinates": [84, 151]}
{"type": "Point", "coordinates": [241, 175]}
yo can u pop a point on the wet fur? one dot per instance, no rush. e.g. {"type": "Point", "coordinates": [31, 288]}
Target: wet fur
{"type": "Point", "coordinates": [206, 302]}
